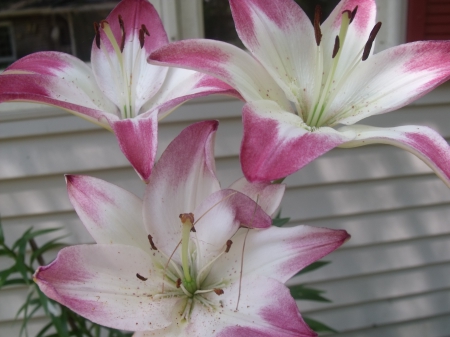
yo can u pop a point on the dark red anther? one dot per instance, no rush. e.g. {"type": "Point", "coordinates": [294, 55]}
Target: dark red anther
{"type": "Point", "coordinates": [142, 278]}
{"type": "Point", "coordinates": [103, 22]}
{"type": "Point", "coordinates": [369, 43]}
{"type": "Point", "coordinates": [141, 38]}
{"type": "Point", "coordinates": [142, 32]}
{"type": "Point", "coordinates": [178, 284]}
{"type": "Point", "coordinates": [317, 17]}
{"type": "Point", "coordinates": [218, 291]}
{"type": "Point", "coordinates": [122, 28]}
{"type": "Point", "coordinates": [352, 16]}
{"type": "Point", "coordinates": [97, 34]}
{"type": "Point", "coordinates": [337, 44]}
{"type": "Point", "coordinates": [145, 30]}
{"type": "Point", "coordinates": [229, 243]}
{"type": "Point", "coordinates": [150, 239]}
{"type": "Point", "coordinates": [349, 13]}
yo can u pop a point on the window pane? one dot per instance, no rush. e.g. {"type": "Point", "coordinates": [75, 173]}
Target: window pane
{"type": "Point", "coordinates": [219, 23]}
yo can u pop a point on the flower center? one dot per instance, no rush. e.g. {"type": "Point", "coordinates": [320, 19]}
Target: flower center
{"type": "Point", "coordinates": [187, 281]}
{"type": "Point", "coordinates": [123, 77]}
{"type": "Point", "coordinates": [327, 82]}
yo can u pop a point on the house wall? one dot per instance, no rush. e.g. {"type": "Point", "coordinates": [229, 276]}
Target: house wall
{"type": "Point", "coordinates": [391, 279]}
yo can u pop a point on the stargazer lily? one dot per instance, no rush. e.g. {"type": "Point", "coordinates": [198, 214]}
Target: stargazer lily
{"type": "Point", "coordinates": [191, 259]}
{"type": "Point", "coordinates": [122, 92]}
{"type": "Point", "coordinates": [302, 80]}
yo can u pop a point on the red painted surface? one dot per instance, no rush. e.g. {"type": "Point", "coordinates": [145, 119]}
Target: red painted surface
{"type": "Point", "coordinates": [428, 20]}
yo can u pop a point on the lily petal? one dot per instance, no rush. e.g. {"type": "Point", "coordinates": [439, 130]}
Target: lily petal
{"type": "Point", "coordinates": [275, 143]}
{"type": "Point", "coordinates": [111, 214]}
{"type": "Point", "coordinates": [219, 217]}
{"type": "Point", "coordinates": [181, 85]}
{"type": "Point", "coordinates": [99, 282]}
{"type": "Point", "coordinates": [66, 68]}
{"type": "Point", "coordinates": [278, 253]}
{"type": "Point", "coordinates": [281, 37]}
{"type": "Point", "coordinates": [422, 141]}
{"type": "Point", "coordinates": [266, 309]}
{"type": "Point", "coordinates": [225, 62]}
{"type": "Point", "coordinates": [183, 177]}
{"type": "Point", "coordinates": [392, 79]}
{"type": "Point", "coordinates": [146, 79]}
{"type": "Point", "coordinates": [268, 196]}
{"type": "Point", "coordinates": [357, 35]}
{"type": "Point", "coordinates": [138, 140]}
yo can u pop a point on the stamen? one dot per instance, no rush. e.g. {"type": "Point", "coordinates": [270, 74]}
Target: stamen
{"type": "Point", "coordinates": [218, 291]}
{"type": "Point", "coordinates": [353, 14]}
{"type": "Point", "coordinates": [122, 28]}
{"type": "Point", "coordinates": [97, 34]}
{"type": "Point", "coordinates": [317, 31]}
{"type": "Point", "coordinates": [141, 38]}
{"type": "Point", "coordinates": [145, 30]}
{"type": "Point", "coordinates": [142, 32]}
{"type": "Point", "coordinates": [142, 278]}
{"type": "Point", "coordinates": [178, 284]}
{"type": "Point", "coordinates": [372, 36]}
{"type": "Point", "coordinates": [349, 13]}
{"type": "Point", "coordinates": [336, 46]}
{"type": "Point", "coordinates": [152, 244]}
{"type": "Point", "coordinates": [229, 243]}
{"type": "Point", "coordinates": [187, 310]}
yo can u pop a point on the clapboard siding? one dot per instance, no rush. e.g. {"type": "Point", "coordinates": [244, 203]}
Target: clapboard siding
{"type": "Point", "coordinates": [391, 279]}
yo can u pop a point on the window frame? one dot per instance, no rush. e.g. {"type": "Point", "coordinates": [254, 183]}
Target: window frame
{"type": "Point", "coordinates": [13, 57]}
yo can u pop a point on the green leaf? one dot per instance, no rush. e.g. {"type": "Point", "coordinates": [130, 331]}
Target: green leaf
{"type": "Point", "coordinates": [280, 222]}
{"type": "Point", "coordinates": [53, 244]}
{"type": "Point", "coordinates": [4, 274]}
{"type": "Point", "coordinates": [29, 234]}
{"type": "Point", "coordinates": [2, 235]}
{"type": "Point", "coordinates": [14, 281]}
{"type": "Point", "coordinates": [318, 326]}
{"type": "Point", "coordinates": [313, 266]}
{"type": "Point", "coordinates": [44, 330]}
{"type": "Point", "coordinates": [300, 292]}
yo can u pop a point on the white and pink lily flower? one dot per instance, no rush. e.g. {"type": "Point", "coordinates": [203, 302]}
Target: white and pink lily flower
{"type": "Point", "coordinates": [302, 80]}
{"type": "Point", "coordinates": [122, 92]}
{"type": "Point", "coordinates": [191, 259]}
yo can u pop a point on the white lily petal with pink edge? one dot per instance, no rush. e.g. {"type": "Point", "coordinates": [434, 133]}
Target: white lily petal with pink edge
{"type": "Point", "coordinates": [121, 86]}
{"type": "Point", "coordinates": [328, 76]}
{"type": "Point", "coordinates": [171, 265]}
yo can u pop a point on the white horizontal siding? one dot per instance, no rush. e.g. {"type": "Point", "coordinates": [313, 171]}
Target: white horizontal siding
{"type": "Point", "coordinates": [391, 279]}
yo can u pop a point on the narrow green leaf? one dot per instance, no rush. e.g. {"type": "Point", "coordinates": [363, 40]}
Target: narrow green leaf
{"type": "Point", "coordinates": [313, 266]}
{"type": "Point", "coordinates": [14, 281]}
{"type": "Point", "coordinates": [23, 269]}
{"type": "Point", "coordinates": [44, 330]}
{"type": "Point", "coordinates": [4, 274]}
{"type": "Point", "coordinates": [53, 244]}
{"type": "Point", "coordinates": [280, 222]}
{"type": "Point", "coordinates": [300, 292]}
{"type": "Point", "coordinates": [2, 235]}
{"type": "Point", "coordinates": [318, 326]}
{"type": "Point", "coordinates": [29, 234]}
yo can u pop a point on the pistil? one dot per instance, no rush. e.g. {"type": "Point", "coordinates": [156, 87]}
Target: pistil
{"type": "Point", "coordinates": [187, 219]}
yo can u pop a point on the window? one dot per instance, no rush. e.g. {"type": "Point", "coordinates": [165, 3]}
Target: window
{"type": "Point", "coordinates": [428, 20]}
{"type": "Point", "coordinates": [219, 24]}
{"type": "Point", "coordinates": [7, 47]}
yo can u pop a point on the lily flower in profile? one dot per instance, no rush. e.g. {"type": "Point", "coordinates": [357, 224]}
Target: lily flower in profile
{"type": "Point", "coordinates": [191, 259]}
{"type": "Point", "coordinates": [122, 92]}
{"type": "Point", "coordinates": [303, 81]}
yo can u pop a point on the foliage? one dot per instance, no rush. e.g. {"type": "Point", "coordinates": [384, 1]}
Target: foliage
{"type": "Point", "coordinates": [62, 322]}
